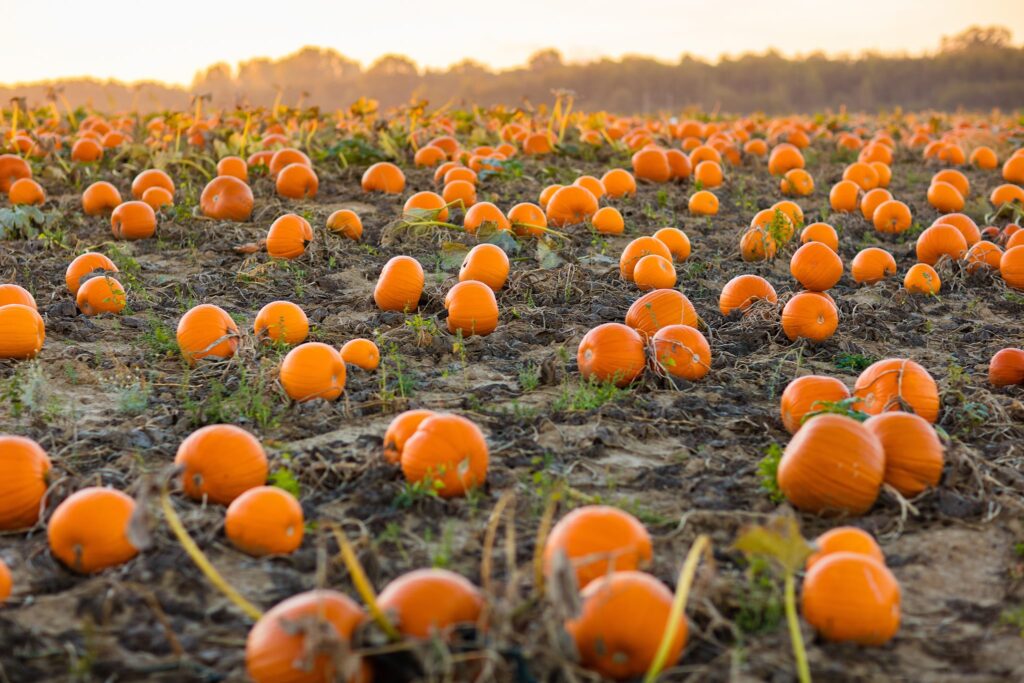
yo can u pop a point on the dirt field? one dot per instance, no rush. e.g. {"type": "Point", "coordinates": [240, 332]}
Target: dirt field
{"type": "Point", "coordinates": [110, 400]}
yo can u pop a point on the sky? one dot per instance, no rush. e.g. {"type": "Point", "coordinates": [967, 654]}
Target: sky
{"type": "Point", "coordinates": [130, 40]}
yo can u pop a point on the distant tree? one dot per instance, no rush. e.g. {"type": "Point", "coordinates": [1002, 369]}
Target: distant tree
{"type": "Point", "coordinates": [977, 37]}
{"type": "Point", "coordinates": [543, 60]}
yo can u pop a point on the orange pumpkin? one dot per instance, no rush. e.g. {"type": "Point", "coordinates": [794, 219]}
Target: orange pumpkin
{"type": "Point", "coordinates": [102, 294]}
{"type": "Point", "coordinates": [265, 520]}
{"type": "Point", "coordinates": [962, 222]}
{"type": "Point", "coordinates": [636, 250]}
{"type": "Point", "coordinates": [892, 216]}
{"type": "Point", "coordinates": [412, 600]}
{"type": "Point", "coordinates": [618, 182]}
{"type": "Point", "coordinates": [26, 191]}
{"type": "Point", "coordinates": [207, 331]}
{"type": "Point", "coordinates": [850, 597]}
{"type": "Point", "coordinates": [484, 214]}
{"type": "Point", "coordinates": [26, 469]}
{"type": "Point", "coordinates": [571, 205]}
{"type": "Point", "coordinates": [6, 582]}
{"type": "Point", "coordinates": [938, 241]}
{"type": "Point", "coordinates": [22, 332]}
{"type": "Point", "coordinates": [447, 453]}
{"type": "Point", "coordinates": [658, 309]}
{"type": "Point", "coordinates": [598, 540]}
{"type": "Point", "coordinates": [289, 236]}
{"type": "Point", "coordinates": [486, 263]}
{"type": "Point", "coordinates": [88, 531]}
{"type": "Point", "coordinates": [400, 285]}
{"type": "Point", "coordinates": [651, 164]}
{"type": "Point", "coordinates": [281, 321]}
{"type": "Point", "coordinates": [527, 219]}
{"type": "Point", "coordinates": [313, 370]}
{"type": "Point", "coordinates": [286, 644]}
{"type": "Point", "coordinates": [821, 232]}
{"type": "Point", "coordinates": [872, 265]}
{"type": "Point", "coordinates": [608, 221]}
{"type": "Point", "coordinates": [12, 169]}
{"type": "Point", "coordinates": [157, 198]}
{"type": "Point", "coordinates": [227, 198]}
{"type": "Point", "coordinates": [220, 462]}
{"type": "Point", "coordinates": [297, 181]}
{"type": "Point", "coordinates": [133, 220]}
{"type": "Point", "coordinates": [809, 315]}
{"type": "Point", "coordinates": [285, 157]}
{"type": "Point", "coordinates": [654, 272]}
{"type": "Point", "coordinates": [151, 178]}
{"type": "Point", "coordinates": [807, 394]}
{"type": "Point", "coordinates": [399, 430]}
{"type": "Point", "coordinates": [611, 352]}
{"type": "Point", "coordinates": [844, 539]}
{"type": "Point", "coordinates": [383, 177]}
{"type": "Point", "coordinates": [757, 244]}
{"type": "Point", "coordinates": [897, 384]}
{"type": "Point", "coordinates": [347, 223]}
{"type": "Point", "coordinates": [681, 351]}
{"type": "Point", "coordinates": [1006, 368]}
{"type": "Point", "coordinates": [100, 199]}
{"type": "Point", "coordinates": [15, 294]}
{"type": "Point", "coordinates": [921, 278]}
{"type": "Point", "coordinates": [816, 266]}
{"type": "Point", "coordinates": [362, 353]}
{"type": "Point", "coordinates": [913, 452]}
{"type": "Point", "coordinates": [426, 205]}
{"type": "Point", "coordinates": [620, 625]}
{"type": "Point", "coordinates": [983, 255]}
{"type": "Point", "coordinates": [235, 167]}
{"type": "Point", "coordinates": [472, 309]}
{"type": "Point", "coordinates": [1011, 267]}
{"type": "Point", "coordinates": [741, 292]}
{"type": "Point", "coordinates": [833, 465]}
{"type": "Point", "coordinates": [677, 242]}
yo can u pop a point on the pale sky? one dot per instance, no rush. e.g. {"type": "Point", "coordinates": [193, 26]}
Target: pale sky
{"type": "Point", "coordinates": [170, 41]}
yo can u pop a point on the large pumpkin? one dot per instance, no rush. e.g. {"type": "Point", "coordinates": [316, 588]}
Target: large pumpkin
{"type": "Point", "coordinates": [897, 384]}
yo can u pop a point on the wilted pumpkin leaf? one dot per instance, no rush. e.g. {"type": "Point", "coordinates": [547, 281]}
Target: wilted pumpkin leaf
{"type": "Point", "coordinates": [547, 257]}
{"type": "Point", "coordinates": [489, 233]}
{"type": "Point", "coordinates": [452, 255]}
{"type": "Point", "coordinates": [779, 539]}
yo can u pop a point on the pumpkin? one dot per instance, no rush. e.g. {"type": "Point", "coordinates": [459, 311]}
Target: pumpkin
{"type": "Point", "coordinates": [484, 214]}
{"type": "Point", "coordinates": [233, 166]}
{"type": "Point", "coordinates": [6, 582]}
{"type": "Point", "coordinates": [816, 266]}
{"type": "Point", "coordinates": [383, 177]}
{"type": "Point", "coordinates": [1006, 368]}
{"type": "Point", "coordinates": [313, 370]}
{"type": "Point", "coordinates": [207, 331]}
{"type": "Point", "coordinates": [821, 232]}
{"type": "Point", "coordinates": [133, 220]}
{"type": "Point", "coordinates": [26, 191]}
{"type": "Point", "coordinates": [660, 308]}
{"type": "Point", "coordinates": [844, 539]}
{"type": "Point", "coordinates": [486, 263]}
{"type": "Point", "coordinates": [833, 465]}
{"type": "Point", "coordinates": [611, 352]}
{"type": "Point", "coordinates": [362, 353]}
{"type": "Point", "coordinates": [850, 597]}
{"type": "Point", "coordinates": [413, 601]}
{"type": "Point", "coordinates": [297, 181]}
{"type": "Point", "coordinates": [265, 520]}
{"type": "Point", "coordinates": [897, 384]}
{"type": "Point", "coordinates": [22, 332]}
{"type": "Point", "coordinates": [872, 265]}
{"type": "Point", "coordinates": [448, 453]}
{"type": "Point", "coordinates": [741, 292]}
{"type": "Point", "coordinates": [913, 452]}
{"type": "Point", "coordinates": [283, 322]}
{"type": "Point", "coordinates": [461, 193]}
{"type": "Point", "coordinates": [289, 236]}
{"type": "Point", "coordinates": [472, 309]}
{"type": "Point", "coordinates": [220, 462]}
{"type": "Point", "coordinates": [1011, 267]}
{"type": "Point", "coordinates": [872, 200]}
{"type": "Point", "coordinates": [227, 198]}
{"type": "Point", "coordinates": [921, 278]}
{"type": "Point", "coordinates": [15, 294]}
{"type": "Point", "coordinates": [100, 199]}
{"type": "Point", "coordinates": [892, 217]}
{"type": "Point", "coordinates": [88, 532]}
{"type": "Point", "coordinates": [12, 169]}
{"type": "Point", "coordinates": [807, 394]}
{"type": "Point", "coordinates": [636, 250]}
{"type": "Point", "coordinates": [399, 430]}
{"type": "Point", "coordinates": [938, 241]}
{"type": "Point", "coordinates": [620, 625]}
{"type": "Point", "coordinates": [429, 206]}
{"type": "Point", "coordinates": [346, 223]}
{"type": "Point", "coordinates": [86, 264]}
{"type": "Point", "coordinates": [983, 255]}
{"type": "Point", "coordinates": [102, 294]}
{"type": "Point", "coordinates": [598, 540]}
{"type": "Point", "coordinates": [618, 182]}
{"type": "Point", "coordinates": [651, 164]}
{"type": "Point", "coordinates": [286, 156]}
{"type": "Point", "coordinates": [527, 219]}
{"type": "Point", "coordinates": [571, 205]}
{"type": "Point", "coordinates": [151, 178]}
{"type": "Point", "coordinates": [757, 244]}
{"type": "Point", "coordinates": [400, 285]}
{"type": "Point", "coordinates": [608, 221]}
{"type": "Point", "coordinates": [843, 196]}
{"type": "Point", "coordinates": [681, 351]}
{"type": "Point", "coordinates": [26, 469]}
{"type": "Point", "coordinates": [287, 644]}
{"type": "Point", "coordinates": [809, 315]}
{"type": "Point", "coordinates": [654, 272]}
{"type": "Point", "coordinates": [962, 222]}
{"type": "Point", "coordinates": [945, 197]}
{"type": "Point", "coordinates": [677, 242]}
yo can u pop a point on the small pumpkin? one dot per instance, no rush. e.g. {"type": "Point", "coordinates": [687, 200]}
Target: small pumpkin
{"type": "Point", "coordinates": [207, 331]}
{"type": "Point", "coordinates": [220, 462]}
{"type": "Point", "coordinates": [1011, 267]}
{"type": "Point", "coordinates": [362, 353]}
{"type": "Point", "coordinates": [962, 222]}
{"type": "Point", "coordinates": [100, 199]}
{"type": "Point", "coordinates": [227, 198]}
{"type": "Point", "coordinates": [152, 177]}
{"type": "Point", "coordinates": [400, 285]}
{"type": "Point", "coordinates": [571, 205]}
{"type": "Point", "coordinates": [400, 429]}
{"type": "Point", "coordinates": [448, 453]}
{"type": "Point", "coordinates": [654, 272]}
{"type": "Point", "coordinates": [297, 181]}
{"type": "Point", "coordinates": [608, 221]}
{"type": "Point", "coordinates": [850, 597]}
{"type": "Point", "coordinates": [676, 241]}
{"type": "Point", "coordinates": [412, 600]}
{"type": "Point", "coordinates": [486, 263]}
{"type": "Point", "coordinates": [913, 452]}
{"type": "Point", "coordinates": [833, 465]}
{"type": "Point", "coordinates": [872, 265]}
{"type": "Point", "coordinates": [659, 308]}
{"type": "Point", "coordinates": [15, 294]}
{"type": "Point", "coordinates": [383, 177]}
{"type": "Point", "coordinates": [807, 394]}
{"type": "Point", "coordinates": [681, 351]}
{"type": "Point", "coordinates": [26, 469]}
{"type": "Point", "coordinates": [636, 250]}
{"type": "Point", "coordinates": [157, 198]}
{"type": "Point", "coordinates": [86, 264]}
{"type": "Point", "coordinates": [1006, 368]}
{"type": "Point", "coordinates": [426, 205]}
{"type": "Point", "coordinates": [102, 294]}
{"type": "Point", "coordinates": [921, 278]}
{"type": "Point", "coordinates": [265, 520]}
{"type": "Point", "coordinates": [844, 539]}
{"type": "Point", "coordinates": [484, 214]}
{"type": "Point", "coordinates": [983, 255]}
{"type": "Point", "coordinates": [347, 223]}
{"type": "Point", "coordinates": [619, 628]}
{"type": "Point", "coordinates": [134, 220]}
{"type": "Point", "coordinates": [313, 370]}
{"type": "Point", "coordinates": [22, 332]}
{"type": "Point", "coordinates": [757, 244]}
{"type": "Point", "coordinates": [528, 219]}
{"type": "Point", "coordinates": [892, 217]}
{"type": "Point", "coordinates": [816, 266]}
{"type": "Point", "coordinates": [598, 540]}
{"type": "Point", "coordinates": [88, 532]}
{"type": "Point", "coordinates": [286, 644]}
{"type": "Point", "coordinates": [283, 322]}
{"type": "Point", "coordinates": [897, 384]}
{"type": "Point", "coordinates": [743, 291]}
{"type": "Point", "coordinates": [821, 232]}
{"type": "Point", "coordinates": [611, 352]}
{"type": "Point", "coordinates": [940, 241]}
{"type": "Point", "coordinates": [289, 236]}
{"type": "Point", "coordinates": [809, 315]}
{"type": "Point", "coordinates": [472, 309]}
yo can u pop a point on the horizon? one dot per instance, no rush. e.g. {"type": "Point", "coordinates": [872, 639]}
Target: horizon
{"type": "Point", "coordinates": [821, 30]}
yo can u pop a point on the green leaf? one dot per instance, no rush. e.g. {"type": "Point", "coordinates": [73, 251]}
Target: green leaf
{"type": "Point", "coordinates": [779, 539]}
{"type": "Point", "coordinates": [547, 257]}
{"type": "Point", "coordinates": [283, 478]}
{"type": "Point", "coordinates": [452, 254]}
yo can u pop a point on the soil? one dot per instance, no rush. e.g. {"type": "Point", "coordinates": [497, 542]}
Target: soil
{"type": "Point", "coordinates": [110, 400]}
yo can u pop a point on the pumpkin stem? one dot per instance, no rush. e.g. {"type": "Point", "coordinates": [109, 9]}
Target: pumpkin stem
{"type": "Point", "coordinates": [799, 651]}
{"type": "Point", "coordinates": [701, 546]}
{"type": "Point", "coordinates": [362, 584]}
{"type": "Point", "coordinates": [200, 559]}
